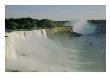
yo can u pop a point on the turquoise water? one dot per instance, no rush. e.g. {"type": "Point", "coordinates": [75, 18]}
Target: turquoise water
{"type": "Point", "coordinates": [88, 53]}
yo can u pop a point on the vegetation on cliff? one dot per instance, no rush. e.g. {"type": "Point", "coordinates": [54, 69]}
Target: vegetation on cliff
{"type": "Point", "coordinates": [29, 23]}
{"type": "Point", "coordinates": [97, 21]}
{"type": "Point", "coordinates": [61, 33]}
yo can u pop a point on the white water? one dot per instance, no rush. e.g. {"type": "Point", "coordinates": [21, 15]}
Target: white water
{"type": "Point", "coordinates": [83, 27]}
{"type": "Point", "coordinates": [32, 51]}
{"type": "Point", "coordinates": [23, 35]}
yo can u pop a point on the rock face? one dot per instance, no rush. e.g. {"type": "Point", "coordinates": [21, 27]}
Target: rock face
{"type": "Point", "coordinates": [12, 36]}
{"type": "Point", "coordinates": [61, 32]}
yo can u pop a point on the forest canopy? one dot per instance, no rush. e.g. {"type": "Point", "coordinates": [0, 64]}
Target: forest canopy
{"type": "Point", "coordinates": [29, 23]}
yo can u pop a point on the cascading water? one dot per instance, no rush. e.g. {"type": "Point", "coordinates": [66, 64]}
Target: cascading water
{"type": "Point", "coordinates": [23, 35]}
{"type": "Point", "coordinates": [83, 27]}
{"type": "Point", "coordinates": [33, 51]}
{"type": "Point", "coordinates": [10, 47]}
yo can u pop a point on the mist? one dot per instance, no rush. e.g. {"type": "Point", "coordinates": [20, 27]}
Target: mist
{"type": "Point", "coordinates": [83, 27]}
{"type": "Point", "coordinates": [36, 53]}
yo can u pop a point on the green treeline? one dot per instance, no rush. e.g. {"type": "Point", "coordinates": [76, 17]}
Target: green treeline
{"type": "Point", "coordinates": [29, 23]}
{"type": "Point", "coordinates": [97, 21]}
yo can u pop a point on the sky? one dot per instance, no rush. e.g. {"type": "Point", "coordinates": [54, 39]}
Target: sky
{"type": "Point", "coordinates": [56, 12]}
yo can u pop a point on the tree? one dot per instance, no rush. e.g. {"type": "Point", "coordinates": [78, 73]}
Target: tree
{"type": "Point", "coordinates": [11, 25]}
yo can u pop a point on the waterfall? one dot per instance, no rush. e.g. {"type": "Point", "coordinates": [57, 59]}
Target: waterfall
{"type": "Point", "coordinates": [32, 51]}
{"type": "Point", "coordinates": [83, 27]}
{"type": "Point", "coordinates": [12, 37]}
{"type": "Point", "coordinates": [10, 47]}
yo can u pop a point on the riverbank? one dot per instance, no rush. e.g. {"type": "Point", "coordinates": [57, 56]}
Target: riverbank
{"type": "Point", "coordinates": [61, 32]}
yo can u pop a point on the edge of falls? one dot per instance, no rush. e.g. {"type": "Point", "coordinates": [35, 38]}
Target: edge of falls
{"type": "Point", "coordinates": [12, 36]}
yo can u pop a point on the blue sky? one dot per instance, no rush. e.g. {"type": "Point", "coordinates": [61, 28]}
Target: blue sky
{"type": "Point", "coordinates": [55, 12]}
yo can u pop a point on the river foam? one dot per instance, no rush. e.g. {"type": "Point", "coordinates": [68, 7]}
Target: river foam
{"type": "Point", "coordinates": [33, 51]}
